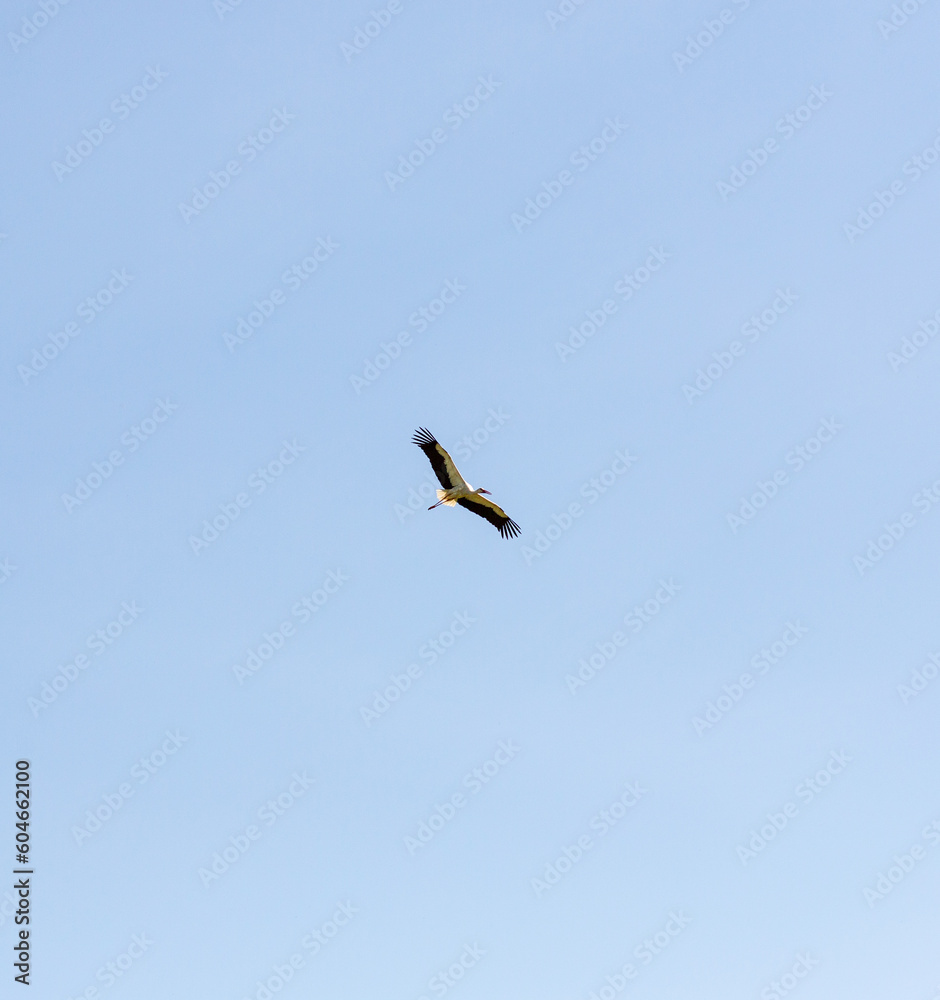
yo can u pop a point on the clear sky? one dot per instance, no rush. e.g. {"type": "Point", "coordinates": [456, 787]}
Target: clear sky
{"type": "Point", "coordinates": [663, 278]}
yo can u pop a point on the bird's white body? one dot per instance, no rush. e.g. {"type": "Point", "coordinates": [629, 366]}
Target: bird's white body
{"type": "Point", "coordinates": [450, 497]}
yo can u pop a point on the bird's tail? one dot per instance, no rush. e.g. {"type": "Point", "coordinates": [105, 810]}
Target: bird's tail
{"type": "Point", "coordinates": [442, 498]}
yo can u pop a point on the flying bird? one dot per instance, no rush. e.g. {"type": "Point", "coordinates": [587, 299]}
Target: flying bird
{"type": "Point", "coordinates": [457, 490]}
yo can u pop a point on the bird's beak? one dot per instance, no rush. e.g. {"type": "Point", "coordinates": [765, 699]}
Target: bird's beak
{"type": "Point", "coordinates": [487, 492]}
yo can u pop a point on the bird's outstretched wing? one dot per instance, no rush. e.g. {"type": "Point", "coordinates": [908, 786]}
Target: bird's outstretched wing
{"type": "Point", "coordinates": [495, 515]}
{"type": "Point", "coordinates": [441, 462]}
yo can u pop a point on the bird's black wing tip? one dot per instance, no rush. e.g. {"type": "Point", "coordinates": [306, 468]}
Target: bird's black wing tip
{"type": "Point", "coordinates": [510, 529]}
{"type": "Point", "coordinates": [423, 436]}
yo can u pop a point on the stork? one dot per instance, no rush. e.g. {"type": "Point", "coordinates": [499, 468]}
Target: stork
{"type": "Point", "coordinates": [457, 490]}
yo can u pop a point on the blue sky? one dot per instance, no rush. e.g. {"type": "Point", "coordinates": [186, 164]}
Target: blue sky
{"type": "Point", "coordinates": [663, 279]}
